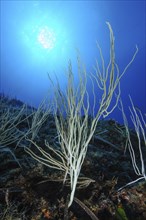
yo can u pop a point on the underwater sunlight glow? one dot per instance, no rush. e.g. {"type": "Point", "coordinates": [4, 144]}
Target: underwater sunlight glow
{"type": "Point", "coordinates": [46, 38]}
{"type": "Point", "coordinates": [40, 38]}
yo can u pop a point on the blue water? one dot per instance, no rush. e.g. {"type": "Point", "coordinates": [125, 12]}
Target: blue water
{"type": "Point", "coordinates": [40, 37]}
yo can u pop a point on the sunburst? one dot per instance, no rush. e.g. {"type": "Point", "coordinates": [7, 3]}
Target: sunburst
{"type": "Point", "coordinates": [46, 37]}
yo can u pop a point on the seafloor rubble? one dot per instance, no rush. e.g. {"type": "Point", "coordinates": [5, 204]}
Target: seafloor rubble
{"type": "Point", "coordinates": [29, 190]}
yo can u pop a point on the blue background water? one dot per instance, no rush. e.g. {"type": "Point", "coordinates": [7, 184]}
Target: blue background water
{"type": "Point", "coordinates": [73, 24]}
